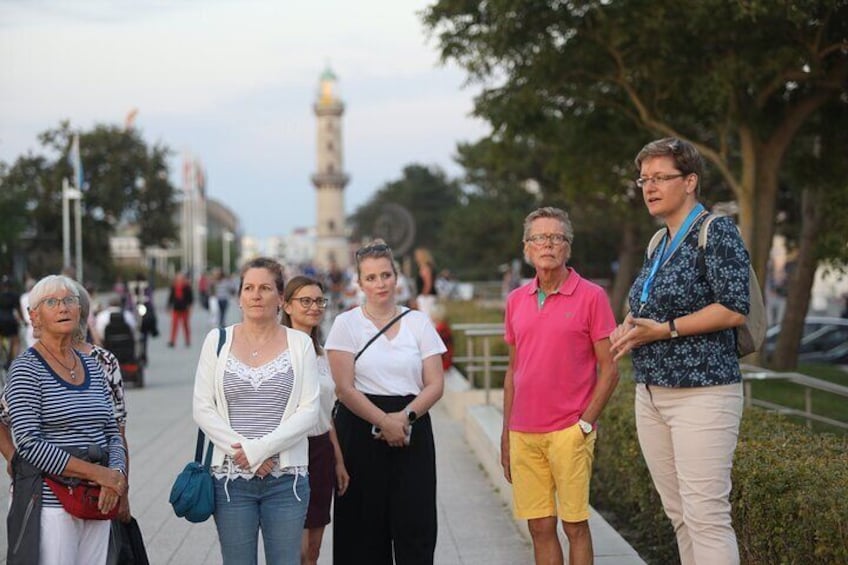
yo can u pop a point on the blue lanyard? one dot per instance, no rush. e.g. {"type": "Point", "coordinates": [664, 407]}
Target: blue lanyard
{"type": "Point", "coordinates": [663, 251]}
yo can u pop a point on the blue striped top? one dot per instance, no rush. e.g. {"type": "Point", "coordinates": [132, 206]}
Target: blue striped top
{"type": "Point", "coordinates": [49, 415]}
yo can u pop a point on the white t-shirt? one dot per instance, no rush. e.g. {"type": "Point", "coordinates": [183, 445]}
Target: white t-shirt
{"type": "Point", "coordinates": [387, 367]}
{"type": "Point", "coordinates": [326, 397]}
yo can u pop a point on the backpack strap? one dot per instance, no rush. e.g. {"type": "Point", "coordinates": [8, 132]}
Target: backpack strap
{"type": "Point", "coordinates": [705, 228]}
{"type": "Point", "coordinates": [655, 242]}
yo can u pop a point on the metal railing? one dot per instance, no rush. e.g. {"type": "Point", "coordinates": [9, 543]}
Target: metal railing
{"type": "Point", "coordinates": [473, 363]}
{"type": "Point", "coordinates": [752, 373]}
{"type": "Point", "coordinates": [478, 358]}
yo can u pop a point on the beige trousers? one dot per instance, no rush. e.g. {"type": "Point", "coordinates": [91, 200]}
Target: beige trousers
{"type": "Point", "coordinates": [688, 436]}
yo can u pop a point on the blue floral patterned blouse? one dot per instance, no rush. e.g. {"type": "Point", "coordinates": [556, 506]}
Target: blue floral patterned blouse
{"type": "Point", "coordinates": [685, 284]}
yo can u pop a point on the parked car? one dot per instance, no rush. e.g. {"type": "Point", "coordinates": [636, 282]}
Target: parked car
{"type": "Point", "coordinates": [824, 340]}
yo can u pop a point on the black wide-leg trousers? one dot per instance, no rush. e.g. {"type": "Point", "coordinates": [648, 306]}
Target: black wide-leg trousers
{"type": "Point", "coordinates": [390, 505]}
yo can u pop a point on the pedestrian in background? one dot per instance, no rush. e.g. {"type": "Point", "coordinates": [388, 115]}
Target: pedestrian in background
{"type": "Point", "coordinates": [425, 280]}
{"type": "Point", "coordinates": [11, 317]}
{"type": "Point", "coordinates": [180, 299]}
{"type": "Point", "coordinates": [223, 289]}
{"type": "Point", "coordinates": [304, 307]}
{"type": "Point", "coordinates": [559, 378]}
{"type": "Point", "coordinates": [29, 337]}
{"type": "Point", "coordinates": [684, 305]}
{"type": "Point", "coordinates": [386, 386]}
{"type": "Point", "coordinates": [256, 400]}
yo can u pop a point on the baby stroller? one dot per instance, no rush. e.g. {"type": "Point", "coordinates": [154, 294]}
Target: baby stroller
{"type": "Point", "coordinates": [120, 340]}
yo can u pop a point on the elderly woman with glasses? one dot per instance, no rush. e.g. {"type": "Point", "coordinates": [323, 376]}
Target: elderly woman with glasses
{"type": "Point", "coordinates": [256, 399]}
{"type": "Point", "coordinates": [303, 309]}
{"type": "Point", "coordinates": [684, 305]}
{"type": "Point", "coordinates": [60, 407]}
{"type": "Point", "coordinates": [386, 362]}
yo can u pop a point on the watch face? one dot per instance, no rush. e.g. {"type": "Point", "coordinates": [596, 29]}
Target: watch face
{"type": "Point", "coordinates": [411, 416]}
{"type": "Point", "coordinates": [586, 427]}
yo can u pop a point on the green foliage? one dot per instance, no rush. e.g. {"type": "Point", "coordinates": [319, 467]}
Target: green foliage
{"type": "Point", "coordinates": [125, 183]}
{"type": "Point", "coordinates": [788, 498]}
{"type": "Point", "coordinates": [426, 192]}
{"type": "Point", "coordinates": [585, 84]}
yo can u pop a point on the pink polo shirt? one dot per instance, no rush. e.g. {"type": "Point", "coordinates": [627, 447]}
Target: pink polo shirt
{"type": "Point", "coordinates": [555, 368]}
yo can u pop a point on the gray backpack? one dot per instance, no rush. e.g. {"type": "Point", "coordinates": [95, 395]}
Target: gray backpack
{"type": "Point", "coordinates": [751, 334]}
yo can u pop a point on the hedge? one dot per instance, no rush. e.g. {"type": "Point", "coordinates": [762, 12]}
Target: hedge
{"type": "Point", "coordinates": [790, 489]}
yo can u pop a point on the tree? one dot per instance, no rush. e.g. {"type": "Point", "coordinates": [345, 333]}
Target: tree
{"type": "Point", "coordinates": [15, 201]}
{"type": "Point", "coordinates": [704, 70]}
{"type": "Point", "coordinates": [820, 227]}
{"type": "Point", "coordinates": [426, 192]}
{"type": "Point", "coordinates": [485, 230]}
{"type": "Point", "coordinates": [125, 183]}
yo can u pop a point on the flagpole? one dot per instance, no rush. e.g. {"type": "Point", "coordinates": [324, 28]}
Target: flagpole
{"type": "Point", "coordinates": [66, 226]}
{"type": "Point", "coordinates": [79, 236]}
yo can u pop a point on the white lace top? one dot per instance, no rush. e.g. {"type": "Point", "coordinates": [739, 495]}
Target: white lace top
{"type": "Point", "coordinates": [256, 398]}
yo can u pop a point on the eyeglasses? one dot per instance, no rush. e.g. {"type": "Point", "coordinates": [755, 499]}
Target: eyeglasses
{"type": "Point", "coordinates": [369, 249]}
{"type": "Point", "coordinates": [307, 302]}
{"type": "Point", "coordinates": [642, 182]}
{"type": "Point", "coordinates": [68, 301]}
{"type": "Point", "coordinates": [540, 239]}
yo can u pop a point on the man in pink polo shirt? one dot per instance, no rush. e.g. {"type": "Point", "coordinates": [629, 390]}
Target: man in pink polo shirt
{"type": "Point", "coordinates": [560, 376]}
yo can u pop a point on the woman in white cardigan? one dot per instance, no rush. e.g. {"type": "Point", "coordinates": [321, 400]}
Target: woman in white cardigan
{"type": "Point", "coordinates": [256, 400]}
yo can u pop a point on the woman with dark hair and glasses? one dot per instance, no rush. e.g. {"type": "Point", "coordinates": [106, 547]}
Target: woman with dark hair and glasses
{"type": "Point", "coordinates": [388, 374]}
{"type": "Point", "coordinates": [684, 305]}
{"type": "Point", "coordinates": [256, 399]}
{"type": "Point", "coordinates": [304, 305]}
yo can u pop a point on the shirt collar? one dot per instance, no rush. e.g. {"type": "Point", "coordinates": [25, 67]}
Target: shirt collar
{"type": "Point", "coordinates": [567, 287]}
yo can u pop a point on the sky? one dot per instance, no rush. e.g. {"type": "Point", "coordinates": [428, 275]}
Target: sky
{"type": "Point", "coordinates": [232, 83]}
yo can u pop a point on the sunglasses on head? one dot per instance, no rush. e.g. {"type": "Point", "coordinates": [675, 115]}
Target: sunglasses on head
{"type": "Point", "coordinates": [369, 249]}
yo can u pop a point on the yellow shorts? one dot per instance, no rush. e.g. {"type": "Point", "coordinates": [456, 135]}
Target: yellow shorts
{"type": "Point", "coordinates": [551, 471]}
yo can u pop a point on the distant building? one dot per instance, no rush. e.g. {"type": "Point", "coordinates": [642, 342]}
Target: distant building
{"type": "Point", "coordinates": [329, 179]}
{"type": "Point", "coordinates": [300, 246]}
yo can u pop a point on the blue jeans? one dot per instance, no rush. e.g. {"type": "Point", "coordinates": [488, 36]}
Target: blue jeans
{"type": "Point", "coordinates": [269, 504]}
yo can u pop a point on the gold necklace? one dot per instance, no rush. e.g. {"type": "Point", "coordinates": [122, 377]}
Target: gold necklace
{"type": "Point", "coordinates": [71, 369]}
{"type": "Point", "coordinates": [255, 353]}
{"type": "Point", "coordinates": [375, 318]}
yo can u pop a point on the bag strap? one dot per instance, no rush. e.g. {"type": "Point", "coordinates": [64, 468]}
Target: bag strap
{"type": "Point", "coordinates": [198, 452]}
{"type": "Point", "coordinates": [705, 227]}
{"type": "Point", "coordinates": [655, 241]}
{"type": "Point", "coordinates": [381, 332]}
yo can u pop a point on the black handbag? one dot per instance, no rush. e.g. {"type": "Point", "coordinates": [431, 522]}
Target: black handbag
{"type": "Point", "coordinates": [126, 546]}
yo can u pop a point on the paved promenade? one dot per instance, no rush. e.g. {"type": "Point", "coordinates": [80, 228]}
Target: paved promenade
{"type": "Point", "coordinates": [475, 526]}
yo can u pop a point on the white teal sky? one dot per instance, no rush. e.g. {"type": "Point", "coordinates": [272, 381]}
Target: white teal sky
{"type": "Point", "coordinates": [233, 83]}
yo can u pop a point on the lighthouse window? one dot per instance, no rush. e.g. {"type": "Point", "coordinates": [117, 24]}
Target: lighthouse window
{"type": "Point", "coordinates": [331, 225]}
{"type": "Point", "coordinates": [329, 146]}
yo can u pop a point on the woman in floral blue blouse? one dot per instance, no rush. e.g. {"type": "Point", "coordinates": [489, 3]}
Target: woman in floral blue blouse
{"type": "Point", "coordinates": [684, 305]}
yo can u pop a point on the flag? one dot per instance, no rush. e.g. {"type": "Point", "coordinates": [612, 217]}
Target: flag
{"type": "Point", "coordinates": [75, 161]}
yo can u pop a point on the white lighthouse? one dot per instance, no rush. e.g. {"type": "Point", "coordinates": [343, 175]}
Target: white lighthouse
{"type": "Point", "coordinates": [329, 179]}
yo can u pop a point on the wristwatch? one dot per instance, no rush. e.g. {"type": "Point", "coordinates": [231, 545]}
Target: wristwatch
{"type": "Point", "coordinates": [585, 426]}
{"type": "Point", "coordinates": [674, 333]}
{"type": "Point", "coordinates": [411, 416]}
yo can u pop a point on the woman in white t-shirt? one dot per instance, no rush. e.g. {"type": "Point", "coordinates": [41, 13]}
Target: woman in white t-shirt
{"type": "Point", "coordinates": [304, 305]}
{"type": "Point", "coordinates": [386, 385]}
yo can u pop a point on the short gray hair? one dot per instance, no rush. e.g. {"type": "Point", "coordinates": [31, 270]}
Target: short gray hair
{"type": "Point", "coordinates": [550, 212]}
{"type": "Point", "coordinates": [51, 284]}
